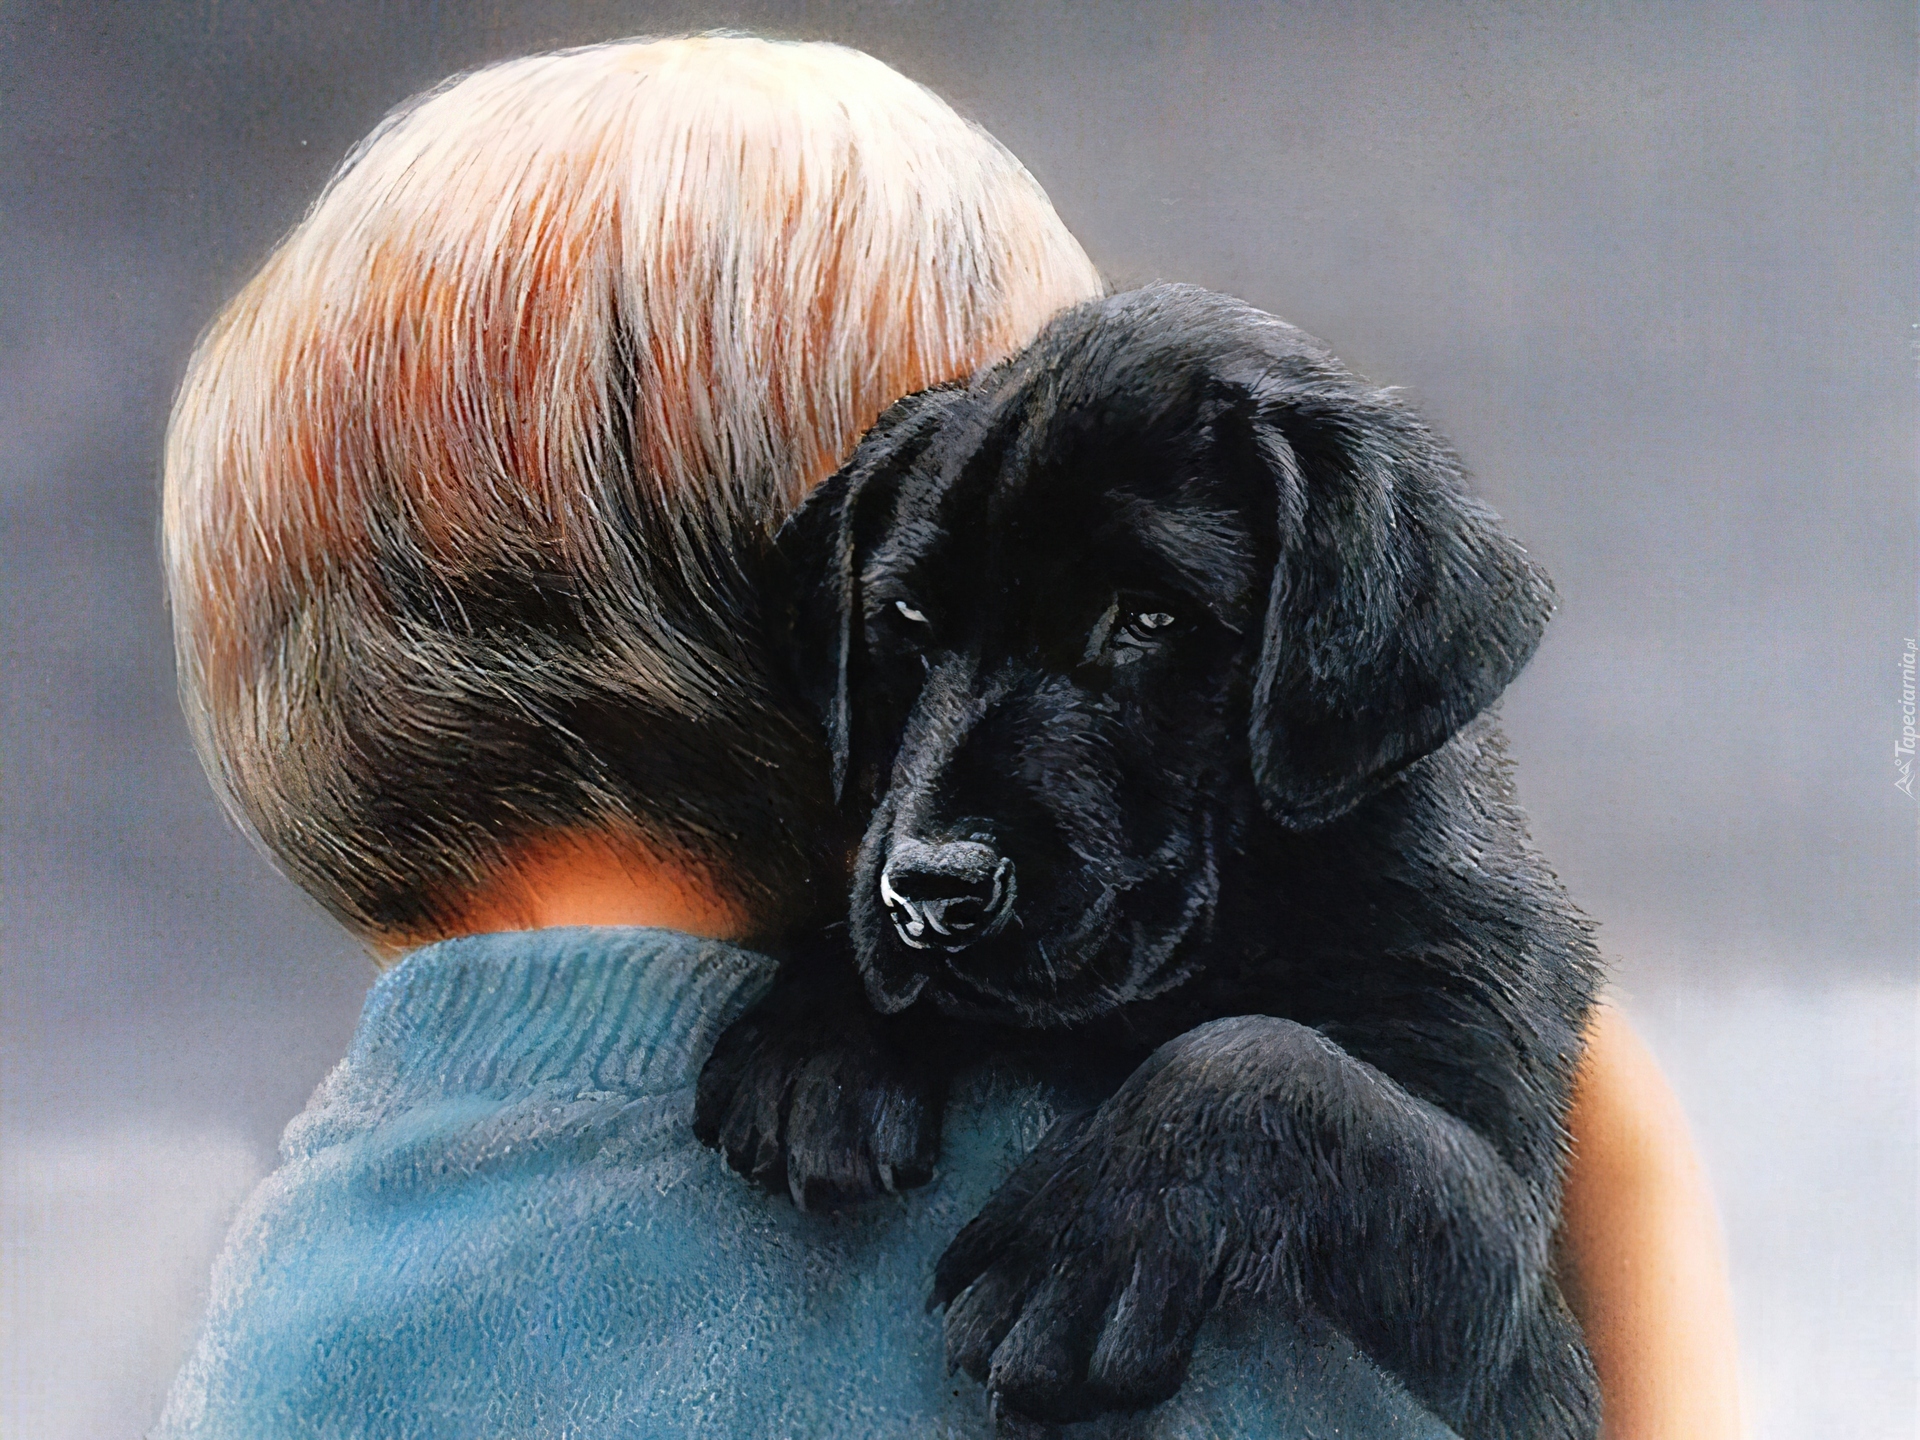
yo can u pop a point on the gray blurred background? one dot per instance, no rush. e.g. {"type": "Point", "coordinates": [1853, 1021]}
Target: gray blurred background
{"type": "Point", "coordinates": [1651, 266]}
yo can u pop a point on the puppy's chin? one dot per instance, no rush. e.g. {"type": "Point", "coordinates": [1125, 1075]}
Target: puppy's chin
{"type": "Point", "coordinates": [893, 988]}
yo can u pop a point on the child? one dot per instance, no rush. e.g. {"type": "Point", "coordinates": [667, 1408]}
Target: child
{"type": "Point", "coordinates": [457, 494]}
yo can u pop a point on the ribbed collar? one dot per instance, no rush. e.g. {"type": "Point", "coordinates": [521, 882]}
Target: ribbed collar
{"type": "Point", "coordinates": [616, 1009]}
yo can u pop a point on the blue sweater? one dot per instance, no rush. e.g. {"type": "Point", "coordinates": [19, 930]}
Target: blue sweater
{"type": "Point", "coordinates": [493, 1220]}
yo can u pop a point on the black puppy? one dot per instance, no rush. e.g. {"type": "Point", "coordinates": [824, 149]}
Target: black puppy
{"type": "Point", "coordinates": [1155, 660]}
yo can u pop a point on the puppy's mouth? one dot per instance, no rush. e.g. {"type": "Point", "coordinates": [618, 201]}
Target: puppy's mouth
{"type": "Point", "coordinates": [951, 908]}
{"type": "Point", "coordinates": [940, 898]}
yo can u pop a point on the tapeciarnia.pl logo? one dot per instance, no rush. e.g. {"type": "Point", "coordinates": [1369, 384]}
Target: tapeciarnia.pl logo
{"type": "Point", "coordinates": [1903, 748]}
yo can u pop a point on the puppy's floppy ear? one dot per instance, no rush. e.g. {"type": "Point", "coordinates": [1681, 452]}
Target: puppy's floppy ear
{"type": "Point", "coordinates": [1398, 609]}
{"type": "Point", "coordinates": [819, 551]}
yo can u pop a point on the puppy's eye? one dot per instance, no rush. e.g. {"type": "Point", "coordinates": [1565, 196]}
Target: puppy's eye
{"type": "Point", "coordinates": [1144, 627]}
{"type": "Point", "coordinates": [908, 612]}
{"type": "Point", "coordinates": [1134, 627]}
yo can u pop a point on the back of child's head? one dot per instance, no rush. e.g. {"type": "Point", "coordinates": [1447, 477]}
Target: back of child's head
{"type": "Point", "coordinates": [463, 487]}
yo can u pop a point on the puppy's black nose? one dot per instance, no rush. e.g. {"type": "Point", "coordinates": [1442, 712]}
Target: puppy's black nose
{"type": "Point", "coordinates": [946, 896]}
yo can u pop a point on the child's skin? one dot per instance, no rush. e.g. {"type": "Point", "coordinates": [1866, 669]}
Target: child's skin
{"type": "Point", "coordinates": [1642, 1262]}
{"type": "Point", "coordinates": [1641, 1256]}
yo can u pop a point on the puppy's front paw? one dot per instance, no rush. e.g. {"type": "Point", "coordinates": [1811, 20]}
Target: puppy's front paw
{"type": "Point", "coordinates": [1079, 1288]}
{"type": "Point", "coordinates": [824, 1112]}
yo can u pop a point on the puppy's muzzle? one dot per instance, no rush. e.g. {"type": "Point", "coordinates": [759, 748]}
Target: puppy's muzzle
{"type": "Point", "coordinates": [945, 897]}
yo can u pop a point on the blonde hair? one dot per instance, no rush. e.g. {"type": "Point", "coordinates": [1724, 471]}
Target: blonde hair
{"type": "Point", "coordinates": [463, 489]}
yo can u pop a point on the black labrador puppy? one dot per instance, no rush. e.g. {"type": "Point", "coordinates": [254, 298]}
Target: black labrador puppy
{"type": "Point", "coordinates": [1156, 662]}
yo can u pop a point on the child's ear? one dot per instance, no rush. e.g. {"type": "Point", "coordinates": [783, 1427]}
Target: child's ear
{"type": "Point", "coordinates": [818, 554]}
{"type": "Point", "coordinates": [1398, 608]}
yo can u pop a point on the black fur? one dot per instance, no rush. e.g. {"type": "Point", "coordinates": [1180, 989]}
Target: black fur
{"type": "Point", "coordinates": [1155, 662]}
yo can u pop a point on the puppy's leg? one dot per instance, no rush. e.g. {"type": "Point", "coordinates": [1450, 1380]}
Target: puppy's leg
{"type": "Point", "coordinates": [1253, 1155]}
{"type": "Point", "coordinates": [813, 1095]}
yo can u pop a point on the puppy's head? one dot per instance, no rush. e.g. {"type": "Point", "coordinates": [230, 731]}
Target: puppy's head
{"type": "Point", "coordinates": [1069, 627]}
